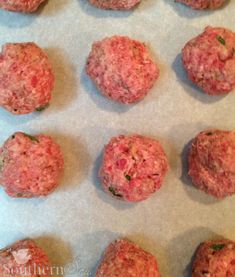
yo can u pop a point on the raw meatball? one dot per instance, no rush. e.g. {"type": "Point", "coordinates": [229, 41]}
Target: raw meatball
{"type": "Point", "coordinates": [30, 166]}
{"type": "Point", "coordinates": [126, 259]}
{"type": "Point", "coordinates": [209, 60]}
{"type": "Point", "coordinates": [203, 4]}
{"type": "Point", "coordinates": [215, 258]}
{"type": "Point", "coordinates": [133, 167]}
{"type": "Point", "coordinates": [122, 69]}
{"type": "Point", "coordinates": [24, 258]}
{"type": "Point", "coordinates": [26, 78]}
{"type": "Point", "coordinates": [115, 4]}
{"type": "Point", "coordinates": [20, 5]}
{"type": "Point", "coordinates": [212, 162]}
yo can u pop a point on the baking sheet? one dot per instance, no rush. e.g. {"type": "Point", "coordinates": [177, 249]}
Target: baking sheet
{"type": "Point", "coordinates": [79, 220]}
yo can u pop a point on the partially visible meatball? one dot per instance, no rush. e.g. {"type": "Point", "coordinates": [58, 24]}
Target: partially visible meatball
{"type": "Point", "coordinates": [209, 60]}
{"type": "Point", "coordinates": [115, 4]}
{"type": "Point", "coordinates": [26, 78]}
{"type": "Point", "coordinates": [25, 6]}
{"type": "Point", "coordinates": [215, 258]}
{"type": "Point", "coordinates": [203, 4]}
{"type": "Point", "coordinates": [24, 258]}
{"type": "Point", "coordinates": [30, 166]}
{"type": "Point", "coordinates": [126, 259]}
{"type": "Point", "coordinates": [133, 167]}
{"type": "Point", "coordinates": [212, 162]}
{"type": "Point", "coordinates": [122, 69]}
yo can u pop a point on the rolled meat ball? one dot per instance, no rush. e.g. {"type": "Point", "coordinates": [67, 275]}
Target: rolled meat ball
{"type": "Point", "coordinates": [25, 6]}
{"type": "Point", "coordinates": [209, 60]}
{"type": "Point", "coordinates": [126, 259]}
{"type": "Point", "coordinates": [215, 258]}
{"type": "Point", "coordinates": [203, 4]}
{"type": "Point", "coordinates": [24, 258]}
{"type": "Point", "coordinates": [122, 69]}
{"type": "Point", "coordinates": [30, 166]}
{"type": "Point", "coordinates": [133, 167]}
{"type": "Point", "coordinates": [26, 78]}
{"type": "Point", "coordinates": [115, 4]}
{"type": "Point", "coordinates": [212, 162]}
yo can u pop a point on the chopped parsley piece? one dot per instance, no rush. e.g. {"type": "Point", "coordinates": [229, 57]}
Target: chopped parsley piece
{"type": "Point", "coordinates": [217, 247]}
{"type": "Point", "coordinates": [32, 137]}
{"type": "Point", "coordinates": [128, 177]}
{"type": "Point", "coordinates": [1, 163]}
{"type": "Point", "coordinates": [112, 190]}
{"type": "Point", "coordinates": [39, 109]}
{"type": "Point", "coordinates": [221, 40]}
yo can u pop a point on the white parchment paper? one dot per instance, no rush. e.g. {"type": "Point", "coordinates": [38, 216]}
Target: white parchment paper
{"type": "Point", "coordinates": [79, 220]}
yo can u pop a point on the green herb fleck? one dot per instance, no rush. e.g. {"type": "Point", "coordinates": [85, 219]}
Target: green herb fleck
{"type": "Point", "coordinates": [128, 177]}
{"type": "Point", "coordinates": [112, 190]}
{"type": "Point", "coordinates": [1, 163]}
{"type": "Point", "coordinates": [217, 247]}
{"type": "Point", "coordinates": [221, 40]}
{"type": "Point", "coordinates": [32, 137]}
{"type": "Point", "coordinates": [39, 109]}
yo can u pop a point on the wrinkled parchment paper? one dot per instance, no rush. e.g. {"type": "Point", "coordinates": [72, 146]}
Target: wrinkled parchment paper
{"type": "Point", "coordinates": [77, 221]}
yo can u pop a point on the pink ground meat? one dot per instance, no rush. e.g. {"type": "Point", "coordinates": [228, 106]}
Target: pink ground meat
{"type": "Point", "coordinates": [20, 5]}
{"type": "Point", "coordinates": [209, 60]}
{"type": "Point", "coordinates": [26, 78]}
{"type": "Point", "coordinates": [203, 4]}
{"type": "Point", "coordinates": [133, 167]}
{"type": "Point", "coordinates": [115, 4]}
{"type": "Point", "coordinates": [122, 69]}
{"type": "Point", "coordinates": [215, 258]}
{"type": "Point", "coordinates": [126, 259]}
{"type": "Point", "coordinates": [30, 166]}
{"type": "Point", "coordinates": [212, 162]}
{"type": "Point", "coordinates": [24, 258]}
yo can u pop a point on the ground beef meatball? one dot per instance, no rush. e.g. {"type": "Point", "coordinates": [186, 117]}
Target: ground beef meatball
{"type": "Point", "coordinates": [203, 4]}
{"type": "Point", "coordinates": [209, 60]}
{"type": "Point", "coordinates": [126, 259]}
{"type": "Point", "coordinates": [26, 78]}
{"type": "Point", "coordinates": [133, 167]}
{"type": "Point", "coordinates": [30, 166]}
{"type": "Point", "coordinates": [24, 258]}
{"type": "Point", "coordinates": [212, 162]}
{"type": "Point", "coordinates": [122, 69]}
{"type": "Point", "coordinates": [115, 4]}
{"type": "Point", "coordinates": [20, 5]}
{"type": "Point", "coordinates": [215, 258]}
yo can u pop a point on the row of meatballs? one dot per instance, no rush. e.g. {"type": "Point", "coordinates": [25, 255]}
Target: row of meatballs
{"type": "Point", "coordinates": [133, 166]}
{"type": "Point", "coordinates": [32, 5]}
{"type": "Point", "coordinates": [214, 258]}
{"type": "Point", "coordinates": [121, 69]}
